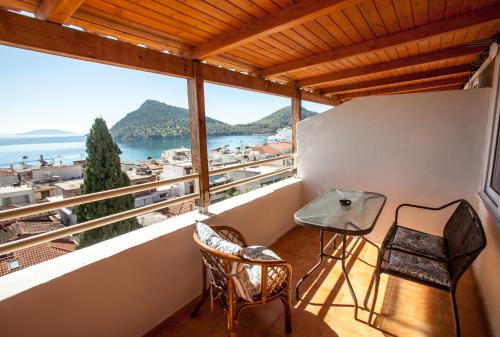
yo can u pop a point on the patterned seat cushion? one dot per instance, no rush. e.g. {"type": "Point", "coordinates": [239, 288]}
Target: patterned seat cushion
{"type": "Point", "coordinates": [418, 242]}
{"type": "Point", "coordinates": [419, 268]}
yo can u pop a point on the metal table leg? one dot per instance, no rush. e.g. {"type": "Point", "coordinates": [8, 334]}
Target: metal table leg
{"type": "Point", "coordinates": [344, 271]}
{"type": "Point", "coordinates": [321, 254]}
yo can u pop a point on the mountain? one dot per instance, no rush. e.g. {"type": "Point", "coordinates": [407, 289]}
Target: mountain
{"type": "Point", "coordinates": [279, 119]}
{"type": "Point", "coordinates": [155, 120]}
{"type": "Point", "coordinates": [46, 132]}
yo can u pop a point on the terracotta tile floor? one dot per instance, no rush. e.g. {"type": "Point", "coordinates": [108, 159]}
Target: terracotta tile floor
{"type": "Point", "coordinates": [326, 308]}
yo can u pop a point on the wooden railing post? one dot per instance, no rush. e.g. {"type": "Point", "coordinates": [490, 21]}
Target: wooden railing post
{"type": "Point", "coordinates": [198, 134]}
{"type": "Point", "coordinates": [296, 117]}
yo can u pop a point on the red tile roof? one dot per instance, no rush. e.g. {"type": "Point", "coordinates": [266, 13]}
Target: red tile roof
{"type": "Point", "coordinates": [282, 146]}
{"type": "Point", "coordinates": [266, 149]}
{"type": "Point", "coordinates": [34, 255]}
{"type": "Point", "coordinates": [154, 166]}
{"type": "Point", "coordinates": [181, 208]}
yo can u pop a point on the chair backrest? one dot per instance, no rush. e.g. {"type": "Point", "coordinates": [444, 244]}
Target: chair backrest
{"type": "Point", "coordinates": [218, 263]}
{"type": "Point", "coordinates": [465, 239]}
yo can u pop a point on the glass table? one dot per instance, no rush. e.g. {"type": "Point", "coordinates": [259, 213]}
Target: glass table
{"type": "Point", "coordinates": [344, 213]}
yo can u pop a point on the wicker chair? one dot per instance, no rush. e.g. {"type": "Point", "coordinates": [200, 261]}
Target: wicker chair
{"type": "Point", "coordinates": [435, 261]}
{"type": "Point", "coordinates": [218, 283]}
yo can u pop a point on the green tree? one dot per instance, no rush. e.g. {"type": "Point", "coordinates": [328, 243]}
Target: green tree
{"type": "Point", "coordinates": [103, 173]}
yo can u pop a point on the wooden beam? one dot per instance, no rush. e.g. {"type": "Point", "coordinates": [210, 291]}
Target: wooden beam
{"type": "Point", "coordinates": [427, 75]}
{"type": "Point", "coordinates": [391, 65]}
{"type": "Point", "coordinates": [293, 15]}
{"type": "Point", "coordinates": [28, 33]}
{"type": "Point", "coordinates": [57, 11]}
{"type": "Point", "coordinates": [296, 117]}
{"type": "Point", "coordinates": [198, 134]}
{"type": "Point", "coordinates": [481, 16]}
{"type": "Point", "coordinates": [410, 87]}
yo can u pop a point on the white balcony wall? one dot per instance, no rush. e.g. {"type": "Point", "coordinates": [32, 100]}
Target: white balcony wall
{"type": "Point", "coordinates": [128, 285]}
{"type": "Point", "coordinates": [424, 148]}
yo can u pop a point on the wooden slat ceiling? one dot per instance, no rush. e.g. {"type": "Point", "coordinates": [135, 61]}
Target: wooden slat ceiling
{"type": "Point", "coordinates": [346, 48]}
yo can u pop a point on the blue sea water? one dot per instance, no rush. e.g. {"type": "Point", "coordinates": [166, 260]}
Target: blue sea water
{"type": "Point", "coordinates": [70, 148]}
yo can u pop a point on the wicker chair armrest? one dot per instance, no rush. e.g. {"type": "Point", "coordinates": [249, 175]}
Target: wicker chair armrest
{"type": "Point", "coordinates": [276, 278]}
{"type": "Point", "coordinates": [396, 221]}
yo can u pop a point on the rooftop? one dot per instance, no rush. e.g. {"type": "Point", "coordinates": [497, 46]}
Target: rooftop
{"type": "Point", "coordinates": [70, 185]}
{"type": "Point", "coordinates": [266, 149]}
{"type": "Point", "coordinates": [34, 255]}
{"type": "Point", "coordinates": [13, 189]}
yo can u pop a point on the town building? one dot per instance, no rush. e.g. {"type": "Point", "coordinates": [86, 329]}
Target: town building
{"type": "Point", "coordinates": [282, 135]}
{"type": "Point", "coordinates": [68, 188]}
{"type": "Point", "coordinates": [16, 195]}
{"type": "Point", "coordinates": [283, 147]}
{"type": "Point", "coordinates": [178, 169]}
{"type": "Point", "coordinates": [54, 173]}
{"type": "Point", "coordinates": [173, 155]}
{"type": "Point", "coordinates": [8, 177]}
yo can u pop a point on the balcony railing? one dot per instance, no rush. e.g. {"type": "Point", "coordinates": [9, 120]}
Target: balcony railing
{"type": "Point", "coordinates": [31, 241]}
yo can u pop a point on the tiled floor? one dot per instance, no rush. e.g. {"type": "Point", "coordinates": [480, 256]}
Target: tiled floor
{"type": "Point", "coordinates": [326, 309]}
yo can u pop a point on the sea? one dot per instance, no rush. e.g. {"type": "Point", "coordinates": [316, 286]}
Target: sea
{"type": "Point", "coordinates": [68, 148]}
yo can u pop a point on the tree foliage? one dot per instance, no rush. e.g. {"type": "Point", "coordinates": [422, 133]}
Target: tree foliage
{"type": "Point", "coordinates": [103, 173]}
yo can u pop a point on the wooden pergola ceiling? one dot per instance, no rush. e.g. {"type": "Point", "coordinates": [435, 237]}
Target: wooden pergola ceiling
{"type": "Point", "coordinates": [338, 48]}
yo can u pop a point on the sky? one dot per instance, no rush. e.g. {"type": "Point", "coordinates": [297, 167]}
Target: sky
{"type": "Point", "coordinates": [41, 91]}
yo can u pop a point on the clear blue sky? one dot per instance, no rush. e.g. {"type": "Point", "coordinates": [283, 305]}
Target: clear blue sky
{"type": "Point", "coordinates": [40, 91]}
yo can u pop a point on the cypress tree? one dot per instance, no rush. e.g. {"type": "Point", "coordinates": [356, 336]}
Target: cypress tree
{"type": "Point", "coordinates": [103, 173]}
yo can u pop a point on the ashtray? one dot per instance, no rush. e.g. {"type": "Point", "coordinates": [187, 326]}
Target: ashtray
{"type": "Point", "coordinates": [345, 202]}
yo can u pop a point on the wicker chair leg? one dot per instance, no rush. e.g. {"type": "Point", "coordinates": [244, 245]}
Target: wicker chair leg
{"type": "Point", "coordinates": [231, 324]}
{"type": "Point", "coordinates": [455, 312]}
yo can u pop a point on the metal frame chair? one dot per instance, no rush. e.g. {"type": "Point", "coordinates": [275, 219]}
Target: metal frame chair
{"type": "Point", "coordinates": [463, 240]}
{"type": "Point", "coordinates": [218, 283]}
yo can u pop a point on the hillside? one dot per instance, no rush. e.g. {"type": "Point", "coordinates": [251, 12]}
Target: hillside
{"type": "Point", "coordinates": [155, 120]}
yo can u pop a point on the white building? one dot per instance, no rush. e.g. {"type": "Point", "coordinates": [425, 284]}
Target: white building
{"type": "Point", "coordinates": [68, 189]}
{"type": "Point", "coordinates": [161, 194]}
{"type": "Point", "coordinates": [8, 177]}
{"type": "Point", "coordinates": [179, 169]}
{"type": "Point", "coordinates": [56, 173]}
{"type": "Point", "coordinates": [282, 135]}
{"type": "Point", "coordinates": [173, 155]}
{"type": "Point", "coordinates": [16, 195]}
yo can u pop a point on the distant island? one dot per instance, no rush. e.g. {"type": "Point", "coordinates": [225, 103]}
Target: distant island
{"type": "Point", "coordinates": [154, 120]}
{"type": "Point", "coordinates": [46, 132]}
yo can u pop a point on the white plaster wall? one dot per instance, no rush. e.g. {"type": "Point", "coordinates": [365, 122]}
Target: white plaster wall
{"type": "Point", "coordinates": [128, 285]}
{"type": "Point", "coordinates": [424, 148]}
{"type": "Point", "coordinates": [487, 263]}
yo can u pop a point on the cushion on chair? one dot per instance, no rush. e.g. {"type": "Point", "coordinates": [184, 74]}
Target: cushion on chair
{"type": "Point", "coordinates": [420, 268]}
{"type": "Point", "coordinates": [209, 237]}
{"type": "Point", "coordinates": [419, 242]}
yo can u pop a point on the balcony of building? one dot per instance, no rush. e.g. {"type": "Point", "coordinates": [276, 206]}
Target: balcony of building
{"type": "Point", "coordinates": [426, 134]}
